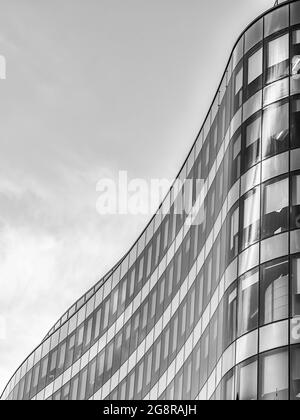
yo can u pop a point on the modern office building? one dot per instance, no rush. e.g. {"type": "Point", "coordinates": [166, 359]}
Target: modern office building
{"type": "Point", "coordinates": [208, 310]}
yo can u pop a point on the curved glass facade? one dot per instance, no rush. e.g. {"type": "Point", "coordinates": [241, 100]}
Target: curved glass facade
{"type": "Point", "coordinates": [209, 310]}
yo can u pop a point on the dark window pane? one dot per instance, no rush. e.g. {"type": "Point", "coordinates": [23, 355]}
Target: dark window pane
{"type": "Point", "coordinates": [295, 123]}
{"type": "Point", "coordinates": [295, 13]}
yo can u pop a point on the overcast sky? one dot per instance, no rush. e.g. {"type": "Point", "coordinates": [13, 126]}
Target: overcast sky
{"type": "Point", "coordinates": [93, 87]}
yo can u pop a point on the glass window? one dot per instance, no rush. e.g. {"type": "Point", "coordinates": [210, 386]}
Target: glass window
{"type": "Point", "coordinates": [295, 65]}
{"type": "Point", "coordinates": [295, 373]}
{"type": "Point", "coordinates": [149, 258]}
{"type": "Point", "coordinates": [255, 66]}
{"type": "Point", "coordinates": [228, 387]}
{"type": "Point", "coordinates": [277, 58]}
{"type": "Point", "coordinates": [140, 378]}
{"type": "Point", "coordinates": [157, 356]}
{"type": "Point", "coordinates": [105, 315]}
{"type": "Point", "coordinates": [254, 35]}
{"type": "Point", "coordinates": [235, 152]}
{"type": "Point", "coordinates": [234, 234]}
{"type": "Point", "coordinates": [230, 312]}
{"type": "Point", "coordinates": [295, 13]}
{"type": "Point", "coordinates": [213, 342]}
{"type": "Point", "coordinates": [153, 304]}
{"type": "Point", "coordinates": [237, 87]}
{"type": "Point", "coordinates": [97, 323]}
{"type": "Point", "coordinates": [162, 290]}
{"type": "Point", "coordinates": [275, 129]}
{"type": "Point", "coordinates": [277, 20]}
{"type": "Point", "coordinates": [274, 247]}
{"type": "Point", "coordinates": [141, 269]}
{"type": "Point", "coordinates": [295, 123]}
{"type": "Point", "coordinates": [295, 216]}
{"type": "Point", "coordinates": [247, 381]}
{"type": "Point", "coordinates": [144, 316]}
{"type": "Point", "coordinates": [131, 386]}
{"type": "Point", "coordinates": [251, 146]}
{"type": "Point", "coordinates": [276, 91]}
{"type": "Point", "coordinates": [204, 353]}
{"type": "Point", "coordinates": [100, 368]}
{"type": "Point", "coordinates": [70, 350]}
{"type": "Point", "coordinates": [250, 217]}
{"type": "Point", "coordinates": [88, 334]}
{"type": "Point", "coordinates": [296, 287]}
{"type": "Point", "coordinates": [239, 81]}
{"type": "Point", "coordinates": [274, 376]}
{"type": "Point", "coordinates": [248, 302]}
{"type": "Point", "coordinates": [166, 343]}
{"type": "Point", "coordinates": [274, 292]}
{"type": "Point", "coordinates": [148, 368]}
{"type": "Point", "coordinates": [275, 166]}
{"type": "Point", "coordinates": [114, 301]}
{"type": "Point", "coordinates": [157, 249]}
{"type": "Point", "coordinates": [175, 333]}
{"type": "Point", "coordinates": [273, 336]}
{"type": "Point", "coordinates": [43, 372]}
{"type": "Point", "coordinates": [61, 357]}
{"type": "Point", "coordinates": [275, 207]}
{"type": "Point", "coordinates": [79, 341]}
{"type": "Point", "coordinates": [131, 283]}
{"type": "Point", "coordinates": [91, 378]}
{"type": "Point", "coordinates": [122, 296]}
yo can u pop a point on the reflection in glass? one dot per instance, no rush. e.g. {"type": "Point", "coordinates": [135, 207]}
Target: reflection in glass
{"type": "Point", "coordinates": [248, 302]}
{"type": "Point", "coordinates": [255, 66]}
{"type": "Point", "coordinates": [295, 374]}
{"type": "Point", "coordinates": [275, 207]}
{"type": "Point", "coordinates": [295, 13]}
{"type": "Point", "coordinates": [247, 381]}
{"type": "Point", "coordinates": [228, 387]}
{"type": "Point", "coordinates": [230, 312]}
{"type": "Point", "coordinates": [234, 234]}
{"type": "Point", "coordinates": [250, 218]}
{"type": "Point", "coordinates": [254, 35]}
{"type": "Point", "coordinates": [277, 58]}
{"type": "Point", "coordinates": [296, 287]}
{"type": "Point", "coordinates": [274, 376]}
{"type": "Point", "coordinates": [274, 292]}
{"type": "Point", "coordinates": [295, 214]}
{"type": "Point", "coordinates": [277, 20]}
{"type": "Point", "coordinates": [251, 146]}
{"type": "Point", "coordinates": [276, 91]}
{"type": "Point", "coordinates": [275, 129]}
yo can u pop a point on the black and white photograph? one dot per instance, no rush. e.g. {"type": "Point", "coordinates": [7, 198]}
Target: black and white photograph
{"type": "Point", "coordinates": [149, 203]}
